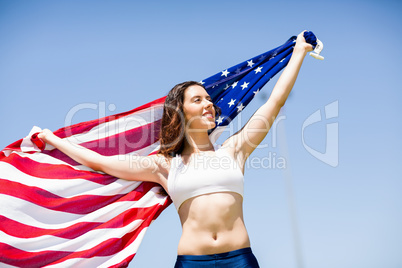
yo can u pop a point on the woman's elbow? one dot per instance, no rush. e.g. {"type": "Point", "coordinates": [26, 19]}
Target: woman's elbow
{"type": "Point", "coordinates": [276, 104]}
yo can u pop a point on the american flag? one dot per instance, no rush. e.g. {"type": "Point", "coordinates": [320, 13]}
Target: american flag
{"type": "Point", "coordinates": [55, 212]}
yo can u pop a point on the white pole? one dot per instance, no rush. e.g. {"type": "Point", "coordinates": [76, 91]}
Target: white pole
{"type": "Point", "coordinates": [287, 175]}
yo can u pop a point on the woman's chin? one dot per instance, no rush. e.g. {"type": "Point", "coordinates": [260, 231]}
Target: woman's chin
{"type": "Point", "coordinates": [206, 123]}
{"type": "Point", "coordinates": [211, 125]}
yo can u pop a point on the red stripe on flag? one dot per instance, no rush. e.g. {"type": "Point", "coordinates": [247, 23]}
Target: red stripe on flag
{"type": "Point", "coordinates": [82, 204]}
{"type": "Point", "coordinates": [17, 229]}
{"type": "Point", "coordinates": [126, 142]}
{"type": "Point", "coordinates": [123, 263]}
{"type": "Point", "coordinates": [120, 144]}
{"type": "Point", "coordinates": [54, 171]}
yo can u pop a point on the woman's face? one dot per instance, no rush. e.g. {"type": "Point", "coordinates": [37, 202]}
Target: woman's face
{"type": "Point", "coordinates": [198, 109]}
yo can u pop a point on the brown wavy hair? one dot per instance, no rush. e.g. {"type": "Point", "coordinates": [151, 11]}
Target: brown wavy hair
{"type": "Point", "coordinates": [173, 122]}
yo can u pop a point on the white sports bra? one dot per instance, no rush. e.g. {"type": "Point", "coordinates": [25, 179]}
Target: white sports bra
{"type": "Point", "coordinates": [203, 175]}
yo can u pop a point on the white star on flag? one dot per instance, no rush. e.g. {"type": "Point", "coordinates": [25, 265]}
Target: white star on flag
{"type": "Point", "coordinates": [256, 92]}
{"type": "Point", "coordinates": [219, 120]}
{"type": "Point", "coordinates": [258, 70]}
{"type": "Point", "coordinates": [226, 87]}
{"type": "Point", "coordinates": [250, 63]}
{"type": "Point", "coordinates": [232, 101]}
{"type": "Point", "coordinates": [235, 84]}
{"type": "Point", "coordinates": [245, 85]}
{"type": "Point", "coordinates": [240, 107]}
{"type": "Point", "coordinates": [225, 73]}
{"type": "Point", "coordinates": [202, 82]}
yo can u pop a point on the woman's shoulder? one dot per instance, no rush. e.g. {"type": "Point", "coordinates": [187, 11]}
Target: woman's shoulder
{"type": "Point", "coordinates": [159, 166]}
{"type": "Point", "coordinates": [228, 145]}
{"type": "Point", "coordinates": [231, 147]}
{"type": "Point", "coordinates": [161, 160]}
{"type": "Point", "coordinates": [159, 157]}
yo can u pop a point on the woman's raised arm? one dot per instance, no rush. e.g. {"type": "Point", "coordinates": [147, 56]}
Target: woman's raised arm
{"type": "Point", "coordinates": [255, 130]}
{"type": "Point", "coordinates": [138, 168]}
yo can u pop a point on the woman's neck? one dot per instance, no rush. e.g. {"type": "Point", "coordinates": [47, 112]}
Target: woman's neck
{"type": "Point", "coordinates": [197, 142]}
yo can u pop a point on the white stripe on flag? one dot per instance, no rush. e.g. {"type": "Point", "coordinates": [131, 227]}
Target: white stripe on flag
{"type": "Point", "coordinates": [67, 188]}
{"type": "Point", "coordinates": [80, 243]}
{"type": "Point", "coordinates": [18, 209]}
{"type": "Point", "coordinates": [106, 261]}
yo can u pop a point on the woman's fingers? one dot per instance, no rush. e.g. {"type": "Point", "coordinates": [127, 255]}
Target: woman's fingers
{"type": "Point", "coordinates": [301, 41]}
{"type": "Point", "coordinates": [44, 134]}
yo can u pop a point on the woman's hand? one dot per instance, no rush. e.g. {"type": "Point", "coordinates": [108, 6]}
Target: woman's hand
{"type": "Point", "coordinates": [47, 136]}
{"type": "Point", "coordinates": [302, 45]}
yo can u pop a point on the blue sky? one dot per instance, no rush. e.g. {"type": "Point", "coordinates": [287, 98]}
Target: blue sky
{"type": "Point", "coordinates": [55, 55]}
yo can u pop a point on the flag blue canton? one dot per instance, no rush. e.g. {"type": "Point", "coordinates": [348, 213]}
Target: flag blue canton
{"type": "Point", "coordinates": [233, 88]}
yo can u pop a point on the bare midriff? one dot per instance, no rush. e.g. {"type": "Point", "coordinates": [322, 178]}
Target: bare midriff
{"type": "Point", "coordinates": [212, 223]}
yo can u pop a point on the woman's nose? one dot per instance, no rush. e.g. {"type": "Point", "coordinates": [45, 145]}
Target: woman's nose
{"type": "Point", "coordinates": [208, 103]}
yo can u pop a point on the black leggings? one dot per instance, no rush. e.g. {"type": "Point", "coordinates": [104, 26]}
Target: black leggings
{"type": "Point", "coordinates": [241, 258]}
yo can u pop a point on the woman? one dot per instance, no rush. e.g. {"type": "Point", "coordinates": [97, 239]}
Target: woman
{"type": "Point", "coordinates": [204, 182]}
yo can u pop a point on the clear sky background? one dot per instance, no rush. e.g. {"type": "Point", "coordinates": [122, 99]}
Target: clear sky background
{"type": "Point", "coordinates": [55, 55]}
